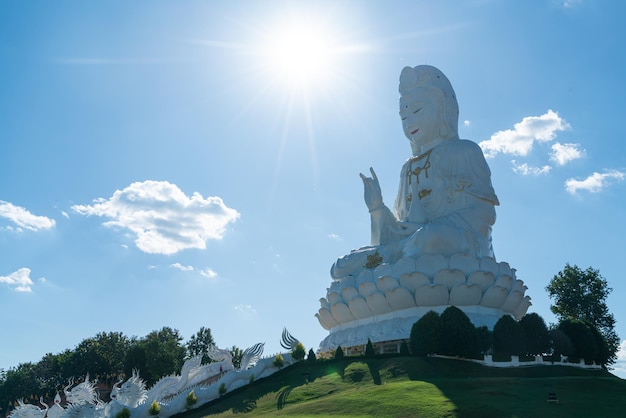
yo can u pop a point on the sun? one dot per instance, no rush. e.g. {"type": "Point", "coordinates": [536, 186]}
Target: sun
{"type": "Point", "coordinates": [301, 52]}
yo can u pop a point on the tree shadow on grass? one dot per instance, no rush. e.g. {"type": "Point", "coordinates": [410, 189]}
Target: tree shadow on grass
{"type": "Point", "coordinates": [281, 397]}
{"type": "Point", "coordinates": [374, 368]}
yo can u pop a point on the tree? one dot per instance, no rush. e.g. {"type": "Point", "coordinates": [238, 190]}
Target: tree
{"type": "Point", "coordinates": [536, 333]}
{"type": "Point", "coordinates": [425, 334]}
{"type": "Point", "coordinates": [582, 339]}
{"type": "Point", "coordinates": [164, 353]}
{"type": "Point", "coordinates": [101, 355]}
{"type": "Point", "coordinates": [199, 344]}
{"type": "Point", "coordinates": [311, 357]}
{"type": "Point", "coordinates": [237, 354]}
{"type": "Point", "coordinates": [582, 295]}
{"type": "Point", "coordinates": [369, 349]}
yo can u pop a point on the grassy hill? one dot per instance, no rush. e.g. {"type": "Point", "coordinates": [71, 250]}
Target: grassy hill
{"type": "Point", "coordinates": [422, 387]}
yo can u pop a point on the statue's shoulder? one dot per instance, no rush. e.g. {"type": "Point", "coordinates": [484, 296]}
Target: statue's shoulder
{"type": "Point", "coordinates": [461, 145]}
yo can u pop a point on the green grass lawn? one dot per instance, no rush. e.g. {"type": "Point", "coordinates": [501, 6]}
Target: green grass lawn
{"type": "Point", "coordinates": [422, 387]}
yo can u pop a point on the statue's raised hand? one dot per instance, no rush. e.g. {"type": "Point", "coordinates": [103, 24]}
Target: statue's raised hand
{"type": "Point", "coordinates": [373, 195]}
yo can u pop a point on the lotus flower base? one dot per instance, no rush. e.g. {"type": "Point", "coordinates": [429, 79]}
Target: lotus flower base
{"type": "Point", "coordinates": [382, 304]}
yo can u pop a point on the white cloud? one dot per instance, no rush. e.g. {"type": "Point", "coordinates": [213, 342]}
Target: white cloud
{"type": "Point", "coordinates": [520, 139]}
{"type": "Point", "coordinates": [467, 122]}
{"type": "Point", "coordinates": [181, 267]}
{"type": "Point", "coordinates": [246, 311]}
{"type": "Point", "coordinates": [334, 237]}
{"type": "Point", "coordinates": [208, 273]}
{"type": "Point", "coordinates": [19, 280]}
{"type": "Point", "coordinates": [163, 219]}
{"type": "Point", "coordinates": [595, 182]}
{"type": "Point", "coordinates": [23, 218]}
{"type": "Point", "coordinates": [525, 169]}
{"type": "Point", "coordinates": [564, 153]}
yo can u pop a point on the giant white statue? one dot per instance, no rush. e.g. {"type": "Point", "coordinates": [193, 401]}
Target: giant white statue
{"type": "Point", "coordinates": [434, 248]}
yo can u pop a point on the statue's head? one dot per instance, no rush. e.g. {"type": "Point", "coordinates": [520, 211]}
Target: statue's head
{"type": "Point", "coordinates": [428, 106]}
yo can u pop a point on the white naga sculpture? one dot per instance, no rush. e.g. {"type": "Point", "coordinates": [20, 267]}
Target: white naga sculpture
{"type": "Point", "coordinates": [434, 249]}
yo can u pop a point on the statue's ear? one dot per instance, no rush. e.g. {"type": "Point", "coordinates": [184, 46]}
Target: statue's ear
{"type": "Point", "coordinates": [444, 131]}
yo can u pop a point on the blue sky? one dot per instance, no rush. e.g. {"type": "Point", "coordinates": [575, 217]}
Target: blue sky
{"type": "Point", "coordinates": [183, 164]}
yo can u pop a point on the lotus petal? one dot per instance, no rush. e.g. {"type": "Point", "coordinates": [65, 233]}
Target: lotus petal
{"type": "Point", "coordinates": [349, 293]}
{"type": "Point", "coordinates": [324, 303]}
{"type": "Point", "coordinates": [521, 309]}
{"type": "Point", "coordinates": [383, 270]}
{"type": "Point", "coordinates": [365, 276]}
{"type": "Point", "coordinates": [378, 304]}
{"type": "Point", "coordinates": [494, 297]}
{"type": "Point", "coordinates": [326, 318]}
{"type": "Point", "coordinates": [432, 295]}
{"type": "Point", "coordinates": [483, 279]}
{"type": "Point", "coordinates": [414, 281]}
{"type": "Point", "coordinates": [467, 264]}
{"type": "Point", "coordinates": [518, 286]}
{"type": "Point", "coordinates": [358, 307]}
{"type": "Point", "coordinates": [449, 278]}
{"type": "Point", "coordinates": [512, 301]}
{"type": "Point", "coordinates": [348, 281]}
{"type": "Point", "coordinates": [431, 264]}
{"type": "Point", "coordinates": [405, 265]}
{"type": "Point", "coordinates": [386, 283]}
{"type": "Point", "coordinates": [488, 264]}
{"type": "Point", "coordinates": [504, 281]}
{"type": "Point", "coordinates": [334, 297]}
{"type": "Point", "coordinates": [504, 268]}
{"type": "Point", "coordinates": [465, 295]}
{"type": "Point", "coordinates": [400, 298]}
{"type": "Point", "coordinates": [341, 313]}
{"type": "Point", "coordinates": [367, 288]}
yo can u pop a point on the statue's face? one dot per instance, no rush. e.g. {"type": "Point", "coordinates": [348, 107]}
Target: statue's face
{"type": "Point", "coordinates": [421, 115]}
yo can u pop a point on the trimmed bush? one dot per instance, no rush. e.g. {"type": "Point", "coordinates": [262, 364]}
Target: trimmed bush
{"type": "Point", "coordinates": [298, 352]}
{"type": "Point", "coordinates": [279, 361]}
{"type": "Point", "coordinates": [355, 372]}
{"type": "Point", "coordinates": [369, 349]}
{"type": "Point", "coordinates": [191, 399]}
{"type": "Point", "coordinates": [339, 352]}
{"type": "Point", "coordinates": [458, 334]}
{"type": "Point", "coordinates": [508, 337]}
{"type": "Point", "coordinates": [124, 413]}
{"type": "Point", "coordinates": [404, 349]}
{"type": "Point", "coordinates": [222, 389]}
{"type": "Point", "coordinates": [582, 339]}
{"type": "Point", "coordinates": [536, 333]}
{"type": "Point", "coordinates": [425, 334]}
{"type": "Point", "coordinates": [155, 408]}
{"type": "Point", "coordinates": [311, 357]}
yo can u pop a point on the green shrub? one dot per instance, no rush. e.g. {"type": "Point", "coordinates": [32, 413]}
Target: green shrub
{"type": "Point", "coordinates": [355, 372]}
{"type": "Point", "coordinates": [155, 408]}
{"type": "Point", "coordinates": [311, 357]}
{"type": "Point", "coordinates": [191, 399]}
{"type": "Point", "coordinates": [251, 378]}
{"type": "Point", "coordinates": [279, 361]}
{"type": "Point", "coordinates": [222, 389]}
{"type": "Point", "coordinates": [298, 352]}
{"type": "Point", "coordinates": [369, 349]}
{"type": "Point", "coordinates": [124, 413]}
